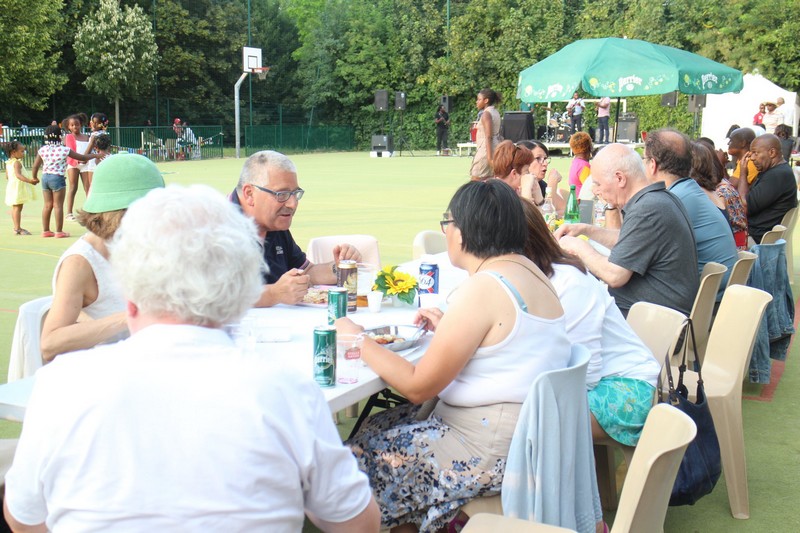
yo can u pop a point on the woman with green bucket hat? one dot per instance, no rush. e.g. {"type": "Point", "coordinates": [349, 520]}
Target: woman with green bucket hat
{"type": "Point", "coordinates": [88, 305]}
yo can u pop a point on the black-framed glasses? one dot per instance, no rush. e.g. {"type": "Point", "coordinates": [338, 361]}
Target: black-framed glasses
{"type": "Point", "coordinates": [282, 196]}
{"type": "Point", "coordinates": [446, 220]}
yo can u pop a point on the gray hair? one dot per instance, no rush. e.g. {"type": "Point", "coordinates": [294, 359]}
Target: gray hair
{"type": "Point", "coordinates": [258, 165]}
{"type": "Point", "coordinates": [189, 254]}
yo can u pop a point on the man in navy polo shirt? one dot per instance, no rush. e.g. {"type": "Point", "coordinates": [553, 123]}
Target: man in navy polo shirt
{"type": "Point", "coordinates": [268, 193]}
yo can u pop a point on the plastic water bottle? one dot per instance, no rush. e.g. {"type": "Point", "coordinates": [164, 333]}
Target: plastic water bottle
{"type": "Point", "coordinates": [599, 212]}
{"type": "Point", "coordinates": [548, 209]}
{"type": "Point", "coordinates": [572, 214]}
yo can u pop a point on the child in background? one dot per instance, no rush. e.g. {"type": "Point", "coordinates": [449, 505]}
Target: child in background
{"type": "Point", "coordinates": [78, 141]}
{"type": "Point", "coordinates": [102, 145]}
{"type": "Point", "coordinates": [581, 145]}
{"type": "Point", "coordinates": [98, 123]}
{"type": "Point", "coordinates": [19, 189]}
{"type": "Point", "coordinates": [52, 159]}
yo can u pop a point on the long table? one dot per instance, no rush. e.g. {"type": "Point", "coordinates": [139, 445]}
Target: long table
{"type": "Point", "coordinates": [286, 332]}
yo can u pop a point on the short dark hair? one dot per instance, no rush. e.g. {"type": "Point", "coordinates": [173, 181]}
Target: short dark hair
{"type": "Point", "coordinates": [11, 146]}
{"type": "Point", "coordinates": [671, 150]}
{"type": "Point", "coordinates": [102, 141]}
{"type": "Point", "coordinates": [531, 144]}
{"type": "Point", "coordinates": [490, 218]}
{"type": "Point", "coordinates": [52, 135]}
{"type": "Point", "coordinates": [493, 96]}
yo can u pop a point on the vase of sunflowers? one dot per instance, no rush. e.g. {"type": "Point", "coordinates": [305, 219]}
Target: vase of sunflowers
{"type": "Point", "coordinates": [400, 286]}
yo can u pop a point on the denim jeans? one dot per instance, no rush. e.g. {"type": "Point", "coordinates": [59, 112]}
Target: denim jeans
{"type": "Point", "coordinates": [777, 327]}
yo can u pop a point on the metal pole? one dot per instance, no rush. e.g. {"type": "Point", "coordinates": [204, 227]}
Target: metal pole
{"type": "Point", "coordinates": [156, 75]}
{"type": "Point", "coordinates": [236, 111]}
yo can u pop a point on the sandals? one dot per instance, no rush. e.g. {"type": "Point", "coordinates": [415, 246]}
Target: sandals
{"type": "Point", "coordinates": [47, 234]}
{"type": "Point", "coordinates": [61, 234]}
{"type": "Point", "coordinates": [21, 231]}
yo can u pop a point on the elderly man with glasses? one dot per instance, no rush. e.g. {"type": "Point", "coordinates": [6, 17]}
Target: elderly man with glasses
{"type": "Point", "coordinates": [268, 193]}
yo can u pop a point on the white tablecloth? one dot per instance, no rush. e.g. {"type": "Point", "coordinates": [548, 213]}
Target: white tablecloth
{"type": "Point", "coordinates": [287, 332]}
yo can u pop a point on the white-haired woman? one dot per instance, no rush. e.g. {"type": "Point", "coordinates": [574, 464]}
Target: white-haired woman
{"type": "Point", "coordinates": [88, 306]}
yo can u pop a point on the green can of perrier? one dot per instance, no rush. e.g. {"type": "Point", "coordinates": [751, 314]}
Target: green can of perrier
{"type": "Point", "coordinates": [337, 303]}
{"type": "Point", "coordinates": [325, 356]}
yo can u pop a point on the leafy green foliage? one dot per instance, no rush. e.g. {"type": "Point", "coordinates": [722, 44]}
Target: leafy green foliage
{"type": "Point", "coordinates": [116, 49]}
{"type": "Point", "coordinates": [29, 71]}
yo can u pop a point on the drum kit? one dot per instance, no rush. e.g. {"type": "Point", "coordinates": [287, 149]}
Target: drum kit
{"type": "Point", "coordinates": [557, 129]}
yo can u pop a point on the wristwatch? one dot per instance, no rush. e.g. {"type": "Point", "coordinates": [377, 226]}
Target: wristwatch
{"type": "Point", "coordinates": [334, 269]}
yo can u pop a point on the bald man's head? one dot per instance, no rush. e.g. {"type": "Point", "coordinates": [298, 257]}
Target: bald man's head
{"type": "Point", "coordinates": [617, 174]}
{"type": "Point", "coordinates": [765, 152]}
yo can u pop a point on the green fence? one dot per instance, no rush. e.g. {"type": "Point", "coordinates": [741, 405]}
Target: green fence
{"type": "Point", "coordinates": [159, 144]}
{"type": "Point", "coordinates": [298, 137]}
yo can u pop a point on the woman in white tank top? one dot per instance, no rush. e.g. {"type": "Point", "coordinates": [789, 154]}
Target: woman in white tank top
{"type": "Point", "coordinates": [88, 305]}
{"type": "Point", "coordinates": [503, 326]}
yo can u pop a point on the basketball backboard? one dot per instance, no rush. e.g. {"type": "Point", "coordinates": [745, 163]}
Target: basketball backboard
{"type": "Point", "coordinates": [251, 59]}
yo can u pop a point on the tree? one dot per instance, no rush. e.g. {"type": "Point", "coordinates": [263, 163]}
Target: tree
{"type": "Point", "coordinates": [29, 72]}
{"type": "Point", "coordinates": [117, 50]}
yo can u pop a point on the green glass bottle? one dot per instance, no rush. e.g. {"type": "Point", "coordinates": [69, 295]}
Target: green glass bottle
{"type": "Point", "coordinates": [572, 214]}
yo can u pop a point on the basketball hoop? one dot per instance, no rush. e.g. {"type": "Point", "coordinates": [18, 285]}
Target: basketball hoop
{"type": "Point", "coordinates": [261, 71]}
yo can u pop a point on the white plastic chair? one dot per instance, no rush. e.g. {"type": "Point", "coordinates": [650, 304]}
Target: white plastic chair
{"type": "Point", "coordinates": [774, 235]}
{"type": "Point", "coordinates": [428, 242]}
{"type": "Point", "coordinates": [493, 523]}
{"type": "Point", "coordinates": [727, 356]}
{"type": "Point", "coordinates": [320, 249]}
{"type": "Point", "coordinates": [645, 496]}
{"type": "Point", "coordinates": [659, 328]}
{"type": "Point", "coordinates": [26, 355]}
{"type": "Point", "coordinates": [741, 268]}
{"type": "Point", "coordinates": [788, 221]}
{"type": "Point", "coordinates": [703, 308]}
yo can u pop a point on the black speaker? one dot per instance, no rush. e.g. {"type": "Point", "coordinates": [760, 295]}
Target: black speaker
{"type": "Point", "coordinates": [381, 100]}
{"type": "Point", "coordinates": [627, 129]}
{"type": "Point", "coordinates": [400, 100]}
{"type": "Point", "coordinates": [696, 102]}
{"type": "Point", "coordinates": [382, 143]}
{"type": "Point", "coordinates": [669, 99]}
{"type": "Point", "coordinates": [445, 101]}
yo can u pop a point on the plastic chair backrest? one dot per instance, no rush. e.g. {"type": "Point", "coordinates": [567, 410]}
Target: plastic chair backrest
{"type": "Point", "coordinates": [428, 242]}
{"type": "Point", "coordinates": [741, 268]}
{"type": "Point", "coordinates": [320, 249]}
{"type": "Point", "coordinates": [26, 355]}
{"type": "Point", "coordinates": [703, 308]}
{"type": "Point", "coordinates": [789, 220]}
{"type": "Point", "coordinates": [730, 344]}
{"type": "Point", "coordinates": [648, 485]}
{"type": "Point", "coordinates": [657, 326]}
{"type": "Point", "coordinates": [773, 236]}
{"type": "Point", "coordinates": [491, 523]}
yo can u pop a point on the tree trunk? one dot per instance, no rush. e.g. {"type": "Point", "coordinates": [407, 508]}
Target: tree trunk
{"type": "Point", "coordinates": [116, 120]}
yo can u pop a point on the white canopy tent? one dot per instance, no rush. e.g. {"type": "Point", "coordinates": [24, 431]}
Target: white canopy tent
{"type": "Point", "coordinates": [723, 110]}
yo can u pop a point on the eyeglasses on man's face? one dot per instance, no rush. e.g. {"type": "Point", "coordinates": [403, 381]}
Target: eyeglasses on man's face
{"type": "Point", "coordinates": [446, 220]}
{"type": "Point", "coordinates": [282, 196]}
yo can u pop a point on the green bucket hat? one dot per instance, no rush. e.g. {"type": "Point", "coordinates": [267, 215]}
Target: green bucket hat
{"type": "Point", "coordinates": [119, 180]}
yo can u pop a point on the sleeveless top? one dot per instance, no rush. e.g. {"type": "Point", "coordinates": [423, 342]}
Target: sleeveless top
{"type": "Point", "coordinates": [503, 372]}
{"type": "Point", "coordinates": [110, 299]}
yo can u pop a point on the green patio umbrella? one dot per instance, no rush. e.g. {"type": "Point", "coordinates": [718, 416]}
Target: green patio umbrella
{"type": "Point", "coordinates": [623, 67]}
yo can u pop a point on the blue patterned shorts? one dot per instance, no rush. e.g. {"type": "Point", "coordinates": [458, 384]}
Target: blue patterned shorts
{"type": "Point", "coordinates": [620, 406]}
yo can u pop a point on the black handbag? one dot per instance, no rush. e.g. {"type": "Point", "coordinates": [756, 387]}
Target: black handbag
{"type": "Point", "coordinates": [701, 465]}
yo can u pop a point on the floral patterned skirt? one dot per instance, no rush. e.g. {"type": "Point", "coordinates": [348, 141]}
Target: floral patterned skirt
{"type": "Point", "coordinates": [423, 471]}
